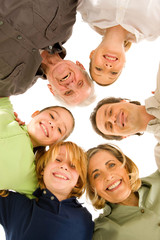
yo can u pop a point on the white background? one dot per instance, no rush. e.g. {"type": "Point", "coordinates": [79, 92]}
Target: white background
{"type": "Point", "coordinates": [136, 82]}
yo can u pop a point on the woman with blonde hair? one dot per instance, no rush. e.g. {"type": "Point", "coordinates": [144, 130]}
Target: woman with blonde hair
{"type": "Point", "coordinates": [129, 204]}
{"type": "Point", "coordinates": [55, 213]}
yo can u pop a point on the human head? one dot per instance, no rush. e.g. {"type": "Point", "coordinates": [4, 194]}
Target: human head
{"type": "Point", "coordinates": [50, 125]}
{"type": "Point", "coordinates": [132, 171]}
{"type": "Point", "coordinates": [68, 81]}
{"type": "Point", "coordinates": [77, 158]}
{"type": "Point", "coordinates": [105, 65]}
{"type": "Point", "coordinates": [111, 101]}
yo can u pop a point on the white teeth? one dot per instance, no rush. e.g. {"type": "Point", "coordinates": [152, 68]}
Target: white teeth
{"type": "Point", "coordinates": [44, 129]}
{"type": "Point", "coordinates": [60, 176]}
{"type": "Point", "coordinates": [65, 78]}
{"type": "Point", "coordinates": [114, 185]}
{"type": "Point", "coordinates": [110, 58]}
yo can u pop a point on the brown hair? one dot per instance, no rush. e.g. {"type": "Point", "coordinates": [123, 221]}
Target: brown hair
{"type": "Point", "coordinates": [77, 157]}
{"type": "Point", "coordinates": [101, 103]}
{"type": "Point", "coordinates": [97, 201]}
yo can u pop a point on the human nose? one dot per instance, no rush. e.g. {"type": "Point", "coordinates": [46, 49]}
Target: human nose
{"type": "Point", "coordinates": [108, 65]}
{"type": "Point", "coordinates": [113, 118]}
{"type": "Point", "coordinates": [51, 124]}
{"type": "Point", "coordinates": [64, 166]}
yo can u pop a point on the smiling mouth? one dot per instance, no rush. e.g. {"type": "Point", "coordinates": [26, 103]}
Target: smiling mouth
{"type": "Point", "coordinates": [65, 78]}
{"type": "Point", "coordinates": [44, 130]}
{"type": "Point", "coordinates": [114, 186]}
{"type": "Point", "coordinates": [121, 119]}
{"type": "Point", "coordinates": [57, 175]}
{"type": "Point", "coordinates": [110, 58]}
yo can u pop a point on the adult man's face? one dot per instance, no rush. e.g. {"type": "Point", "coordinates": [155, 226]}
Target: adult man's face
{"type": "Point", "coordinates": [119, 119]}
{"type": "Point", "coordinates": [68, 81]}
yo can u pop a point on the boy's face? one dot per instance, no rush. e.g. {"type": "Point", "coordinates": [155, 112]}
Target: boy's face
{"type": "Point", "coordinates": [60, 176]}
{"type": "Point", "coordinates": [50, 126]}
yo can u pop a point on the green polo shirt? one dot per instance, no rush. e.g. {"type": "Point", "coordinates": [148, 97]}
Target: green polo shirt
{"type": "Point", "coordinates": [119, 222]}
{"type": "Point", "coordinates": [16, 153]}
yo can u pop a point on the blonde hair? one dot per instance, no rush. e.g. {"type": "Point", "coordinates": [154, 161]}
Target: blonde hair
{"type": "Point", "coordinates": [77, 157]}
{"type": "Point", "coordinates": [97, 201]}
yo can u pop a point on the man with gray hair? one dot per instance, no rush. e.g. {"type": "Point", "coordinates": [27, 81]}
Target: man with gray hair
{"type": "Point", "coordinates": [31, 37]}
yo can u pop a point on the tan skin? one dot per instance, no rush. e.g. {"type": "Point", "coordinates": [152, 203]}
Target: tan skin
{"type": "Point", "coordinates": [111, 179]}
{"type": "Point", "coordinates": [108, 58]}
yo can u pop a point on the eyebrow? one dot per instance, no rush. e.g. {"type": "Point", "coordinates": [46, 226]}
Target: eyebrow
{"type": "Point", "coordinates": [96, 170]}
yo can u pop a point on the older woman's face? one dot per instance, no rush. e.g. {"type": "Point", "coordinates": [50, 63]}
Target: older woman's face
{"type": "Point", "coordinates": [108, 176]}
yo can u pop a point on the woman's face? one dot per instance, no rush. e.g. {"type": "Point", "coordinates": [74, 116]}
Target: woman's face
{"type": "Point", "coordinates": [109, 177]}
{"type": "Point", "coordinates": [60, 175]}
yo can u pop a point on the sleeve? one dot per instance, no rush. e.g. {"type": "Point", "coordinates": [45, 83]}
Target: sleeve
{"type": "Point", "coordinates": [12, 210]}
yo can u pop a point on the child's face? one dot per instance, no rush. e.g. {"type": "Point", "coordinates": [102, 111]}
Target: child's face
{"type": "Point", "coordinates": [60, 176]}
{"type": "Point", "coordinates": [50, 126]}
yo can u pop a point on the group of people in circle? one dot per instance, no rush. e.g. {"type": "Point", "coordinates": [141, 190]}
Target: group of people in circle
{"type": "Point", "coordinates": [39, 186]}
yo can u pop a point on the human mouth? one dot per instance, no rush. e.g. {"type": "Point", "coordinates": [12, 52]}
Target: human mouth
{"type": "Point", "coordinates": [114, 186]}
{"type": "Point", "coordinates": [121, 119]}
{"type": "Point", "coordinates": [57, 175]}
{"type": "Point", "coordinates": [65, 77]}
{"type": "Point", "coordinates": [110, 58]}
{"type": "Point", "coordinates": [44, 129]}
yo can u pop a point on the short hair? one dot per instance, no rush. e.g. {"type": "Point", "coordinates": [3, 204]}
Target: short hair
{"type": "Point", "coordinates": [90, 99]}
{"type": "Point", "coordinates": [97, 201]}
{"type": "Point", "coordinates": [101, 103]}
{"type": "Point", "coordinates": [78, 158]}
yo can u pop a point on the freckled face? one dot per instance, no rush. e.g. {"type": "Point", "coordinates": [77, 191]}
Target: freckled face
{"type": "Point", "coordinates": [109, 177]}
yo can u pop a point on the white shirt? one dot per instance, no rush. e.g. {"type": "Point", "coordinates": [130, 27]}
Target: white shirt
{"type": "Point", "coordinates": [139, 17]}
{"type": "Point", "coordinates": [152, 106]}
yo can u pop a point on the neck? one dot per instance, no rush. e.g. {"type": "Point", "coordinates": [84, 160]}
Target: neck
{"type": "Point", "coordinates": [132, 200]}
{"type": "Point", "coordinates": [48, 58]}
{"type": "Point", "coordinates": [116, 35]}
{"type": "Point", "coordinates": [145, 118]}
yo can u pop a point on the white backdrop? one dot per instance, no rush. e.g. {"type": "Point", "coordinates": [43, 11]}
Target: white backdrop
{"type": "Point", "coordinates": [136, 82]}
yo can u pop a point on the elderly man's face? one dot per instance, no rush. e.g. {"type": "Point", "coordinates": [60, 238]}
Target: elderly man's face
{"type": "Point", "coordinates": [68, 81]}
{"type": "Point", "coordinates": [118, 119]}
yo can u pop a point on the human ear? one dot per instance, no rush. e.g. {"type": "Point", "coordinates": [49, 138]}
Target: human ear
{"type": "Point", "coordinates": [80, 65]}
{"type": "Point", "coordinates": [35, 113]}
{"type": "Point", "coordinates": [91, 54]}
{"type": "Point", "coordinates": [50, 88]}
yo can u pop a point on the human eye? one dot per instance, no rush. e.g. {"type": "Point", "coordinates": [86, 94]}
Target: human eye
{"type": "Point", "coordinates": [96, 175]}
{"type": "Point", "coordinates": [72, 166]}
{"type": "Point", "coordinates": [110, 125]}
{"type": "Point", "coordinates": [80, 83]}
{"type": "Point", "coordinates": [68, 93]}
{"type": "Point", "coordinates": [114, 73]}
{"type": "Point", "coordinates": [98, 69]}
{"type": "Point", "coordinates": [110, 112]}
{"type": "Point", "coordinates": [59, 130]}
{"type": "Point", "coordinates": [57, 160]}
{"type": "Point", "coordinates": [51, 115]}
{"type": "Point", "coordinates": [111, 165]}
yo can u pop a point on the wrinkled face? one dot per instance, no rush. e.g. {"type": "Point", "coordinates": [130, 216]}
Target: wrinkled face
{"type": "Point", "coordinates": [60, 175]}
{"type": "Point", "coordinates": [69, 82]}
{"type": "Point", "coordinates": [106, 65]}
{"type": "Point", "coordinates": [118, 119]}
{"type": "Point", "coordinates": [49, 126]}
{"type": "Point", "coordinates": [109, 177]}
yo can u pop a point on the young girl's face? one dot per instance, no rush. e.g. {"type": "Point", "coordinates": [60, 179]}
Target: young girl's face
{"type": "Point", "coordinates": [109, 177]}
{"type": "Point", "coordinates": [60, 176]}
{"type": "Point", "coordinates": [49, 126]}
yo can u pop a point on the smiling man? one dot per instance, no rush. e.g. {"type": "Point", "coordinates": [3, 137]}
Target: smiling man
{"type": "Point", "coordinates": [68, 81]}
{"type": "Point", "coordinates": [117, 118]}
{"type": "Point", "coordinates": [27, 28]}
